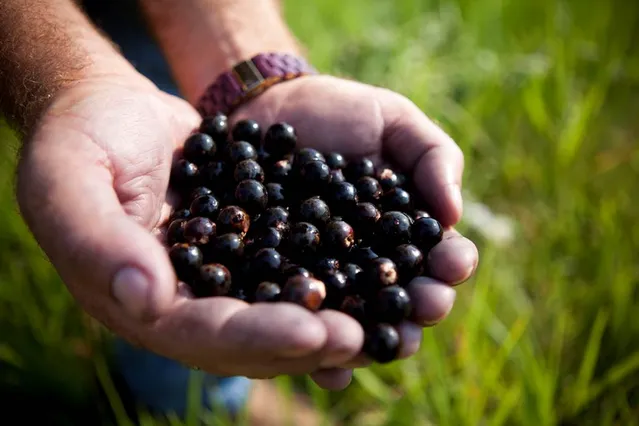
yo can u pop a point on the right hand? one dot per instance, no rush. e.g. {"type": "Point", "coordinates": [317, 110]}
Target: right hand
{"type": "Point", "coordinates": [91, 186]}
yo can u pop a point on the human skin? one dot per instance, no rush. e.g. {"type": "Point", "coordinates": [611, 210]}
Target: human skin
{"type": "Point", "coordinates": [93, 175]}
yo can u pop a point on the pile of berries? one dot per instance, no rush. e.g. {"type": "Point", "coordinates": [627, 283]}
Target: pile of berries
{"type": "Point", "coordinates": [264, 221]}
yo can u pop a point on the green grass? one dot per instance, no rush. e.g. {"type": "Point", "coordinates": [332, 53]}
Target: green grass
{"type": "Point", "coordinates": [543, 97]}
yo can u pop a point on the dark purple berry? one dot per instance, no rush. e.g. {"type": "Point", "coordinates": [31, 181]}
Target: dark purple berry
{"type": "Point", "coordinates": [387, 179]}
{"type": "Point", "coordinates": [368, 190]}
{"type": "Point", "coordinates": [397, 199]}
{"type": "Point", "coordinates": [382, 343]}
{"type": "Point", "coordinates": [418, 214]}
{"type": "Point", "coordinates": [280, 139]}
{"type": "Point", "coordinates": [186, 260]}
{"type": "Point", "coordinates": [267, 292]}
{"type": "Point", "coordinates": [251, 195]}
{"type": "Point", "coordinates": [353, 273]}
{"type": "Point", "coordinates": [427, 233]}
{"type": "Point", "coordinates": [240, 151]}
{"type": "Point", "coordinates": [227, 249]}
{"type": "Point", "coordinates": [335, 160]}
{"type": "Point", "coordinates": [275, 217]}
{"type": "Point", "coordinates": [279, 171]}
{"type": "Point", "coordinates": [359, 168]}
{"type": "Point", "coordinates": [380, 272]}
{"type": "Point", "coordinates": [217, 127]}
{"type": "Point", "coordinates": [394, 228]}
{"type": "Point", "coordinates": [364, 218]}
{"type": "Point", "coordinates": [265, 238]}
{"type": "Point", "coordinates": [214, 280]}
{"type": "Point", "coordinates": [337, 176]}
{"type": "Point", "coordinates": [199, 192]}
{"type": "Point", "coordinates": [336, 284]}
{"type": "Point", "coordinates": [338, 236]}
{"type": "Point", "coordinates": [175, 232]}
{"type": "Point", "coordinates": [362, 256]}
{"type": "Point", "coordinates": [215, 174]}
{"type": "Point", "coordinates": [205, 206]}
{"type": "Point", "coordinates": [356, 307]}
{"type": "Point", "coordinates": [341, 197]}
{"type": "Point", "coordinates": [185, 174]}
{"type": "Point", "coordinates": [247, 131]}
{"type": "Point", "coordinates": [314, 176]}
{"type": "Point", "coordinates": [199, 148]}
{"type": "Point", "coordinates": [248, 169]}
{"type": "Point", "coordinates": [233, 219]}
{"type": "Point", "coordinates": [305, 155]}
{"type": "Point", "coordinates": [304, 239]}
{"type": "Point", "coordinates": [276, 194]}
{"type": "Point", "coordinates": [181, 214]}
{"type": "Point", "coordinates": [265, 264]}
{"type": "Point", "coordinates": [324, 265]}
{"type": "Point", "coordinates": [199, 230]}
{"type": "Point", "coordinates": [392, 305]}
{"type": "Point", "coordinates": [409, 261]}
{"type": "Point", "coordinates": [304, 291]}
{"type": "Point", "coordinates": [291, 270]}
{"type": "Point", "coordinates": [315, 211]}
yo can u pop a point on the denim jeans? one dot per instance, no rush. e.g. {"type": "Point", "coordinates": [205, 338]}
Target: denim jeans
{"type": "Point", "coordinates": [158, 383]}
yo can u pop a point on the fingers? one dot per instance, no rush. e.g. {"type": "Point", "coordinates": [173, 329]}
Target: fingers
{"type": "Point", "coordinates": [334, 379]}
{"type": "Point", "coordinates": [417, 144]}
{"type": "Point", "coordinates": [345, 338]}
{"type": "Point", "coordinates": [454, 259]}
{"type": "Point", "coordinates": [112, 264]}
{"type": "Point", "coordinates": [432, 301]}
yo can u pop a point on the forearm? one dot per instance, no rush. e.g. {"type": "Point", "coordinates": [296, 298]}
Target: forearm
{"type": "Point", "coordinates": [44, 47]}
{"type": "Point", "coordinates": [202, 38]}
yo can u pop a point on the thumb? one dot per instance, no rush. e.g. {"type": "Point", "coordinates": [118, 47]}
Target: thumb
{"type": "Point", "coordinates": [114, 266]}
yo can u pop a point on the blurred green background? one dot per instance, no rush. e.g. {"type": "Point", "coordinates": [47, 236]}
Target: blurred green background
{"type": "Point", "coordinates": [543, 97]}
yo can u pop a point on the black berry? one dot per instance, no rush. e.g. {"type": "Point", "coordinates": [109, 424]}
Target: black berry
{"type": "Point", "coordinates": [279, 171]}
{"type": "Point", "coordinates": [199, 192]}
{"type": "Point", "coordinates": [359, 168]}
{"type": "Point", "coordinates": [362, 256]}
{"type": "Point", "coordinates": [248, 169]}
{"type": "Point", "coordinates": [392, 305]}
{"type": "Point", "coordinates": [305, 291]}
{"type": "Point", "coordinates": [409, 261]}
{"type": "Point", "coordinates": [356, 307]}
{"type": "Point", "coordinates": [215, 174]}
{"type": "Point", "coordinates": [364, 218]}
{"type": "Point", "coordinates": [217, 127]}
{"type": "Point", "coordinates": [335, 160]}
{"type": "Point", "coordinates": [186, 260]}
{"type": "Point", "coordinates": [427, 233]}
{"type": "Point", "coordinates": [336, 284]}
{"type": "Point", "coordinates": [267, 292]}
{"type": "Point", "coordinates": [184, 174]}
{"type": "Point", "coordinates": [380, 272]}
{"type": "Point", "coordinates": [265, 264]}
{"type": "Point", "coordinates": [387, 179]}
{"type": "Point", "coordinates": [315, 211]}
{"type": "Point", "coordinates": [205, 206]}
{"type": "Point", "coordinates": [232, 219]}
{"type": "Point", "coordinates": [198, 230]}
{"type": "Point", "coordinates": [247, 131]}
{"type": "Point", "coordinates": [275, 217]}
{"type": "Point", "coordinates": [227, 249]}
{"type": "Point", "coordinates": [265, 238]}
{"type": "Point", "coordinates": [314, 175]}
{"type": "Point", "coordinates": [337, 176]}
{"type": "Point", "coordinates": [276, 194]}
{"type": "Point", "coordinates": [338, 236]}
{"type": "Point", "coordinates": [418, 214]}
{"type": "Point", "coordinates": [175, 232]}
{"type": "Point", "coordinates": [199, 148]}
{"type": "Point", "coordinates": [251, 195]}
{"type": "Point", "coordinates": [305, 155]}
{"type": "Point", "coordinates": [214, 280]}
{"type": "Point", "coordinates": [304, 238]}
{"type": "Point", "coordinates": [239, 151]}
{"type": "Point", "coordinates": [368, 190]}
{"type": "Point", "coordinates": [280, 139]}
{"type": "Point", "coordinates": [181, 214]}
{"type": "Point", "coordinates": [341, 197]}
{"type": "Point", "coordinates": [394, 228]}
{"type": "Point", "coordinates": [382, 343]}
{"type": "Point", "coordinates": [397, 199]}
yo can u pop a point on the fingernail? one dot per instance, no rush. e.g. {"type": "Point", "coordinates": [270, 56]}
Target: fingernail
{"type": "Point", "coordinates": [454, 192]}
{"type": "Point", "coordinates": [450, 294]}
{"type": "Point", "coordinates": [130, 288]}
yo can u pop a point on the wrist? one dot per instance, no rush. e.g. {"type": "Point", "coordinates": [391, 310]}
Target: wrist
{"type": "Point", "coordinates": [205, 38]}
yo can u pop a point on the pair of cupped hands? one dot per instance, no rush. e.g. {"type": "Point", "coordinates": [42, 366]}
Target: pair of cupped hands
{"type": "Point", "coordinates": [92, 186]}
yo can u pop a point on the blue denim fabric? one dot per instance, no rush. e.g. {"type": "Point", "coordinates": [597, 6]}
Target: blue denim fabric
{"type": "Point", "coordinates": [157, 382]}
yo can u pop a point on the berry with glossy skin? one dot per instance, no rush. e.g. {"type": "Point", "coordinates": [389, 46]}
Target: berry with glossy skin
{"type": "Point", "coordinates": [387, 179]}
{"type": "Point", "coordinates": [186, 260]}
{"type": "Point", "coordinates": [184, 174]}
{"type": "Point", "coordinates": [335, 160]}
{"type": "Point", "coordinates": [291, 270]}
{"type": "Point", "coordinates": [394, 228]}
{"type": "Point", "coordinates": [337, 176]}
{"type": "Point", "coordinates": [175, 232]}
{"type": "Point", "coordinates": [427, 233]}
{"type": "Point", "coordinates": [304, 291]}
{"type": "Point", "coordinates": [205, 206]}
{"type": "Point", "coordinates": [392, 305]}
{"type": "Point", "coordinates": [280, 139]}
{"type": "Point", "coordinates": [353, 273]}
{"type": "Point", "coordinates": [265, 238]}
{"type": "Point", "coordinates": [368, 190]}
{"type": "Point", "coordinates": [265, 264]}
{"type": "Point", "coordinates": [364, 218]}
{"type": "Point", "coordinates": [248, 131]}
{"type": "Point", "coordinates": [267, 292]}
{"type": "Point", "coordinates": [341, 197]}
{"type": "Point", "coordinates": [275, 217]}
{"type": "Point", "coordinates": [248, 169]}
{"type": "Point", "coordinates": [217, 127]}
{"type": "Point", "coordinates": [380, 272]}
{"type": "Point", "coordinates": [336, 284]}
{"type": "Point", "coordinates": [215, 174]}
{"type": "Point", "coordinates": [181, 214]}
{"type": "Point", "coordinates": [276, 194]}
{"type": "Point", "coordinates": [214, 280]}
{"type": "Point", "coordinates": [418, 214]}
{"type": "Point", "coordinates": [251, 196]}
{"type": "Point", "coordinates": [232, 219]}
{"type": "Point", "coordinates": [338, 236]}
{"type": "Point", "coordinates": [279, 171]}
{"type": "Point", "coordinates": [324, 265]}
{"type": "Point", "coordinates": [362, 256]}
{"type": "Point", "coordinates": [315, 211]}
{"type": "Point", "coordinates": [314, 175]}
{"type": "Point", "coordinates": [305, 155]}
{"type": "Point", "coordinates": [199, 148]}
{"type": "Point", "coordinates": [240, 151]}
{"type": "Point", "coordinates": [397, 199]}
{"type": "Point", "coordinates": [304, 238]}
{"type": "Point", "coordinates": [227, 249]}
{"type": "Point", "coordinates": [359, 168]}
{"type": "Point", "coordinates": [409, 261]}
{"type": "Point", "coordinates": [356, 307]}
{"type": "Point", "coordinates": [199, 192]}
{"type": "Point", "coordinates": [199, 230]}
{"type": "Point", "coordinates": [382, 343]}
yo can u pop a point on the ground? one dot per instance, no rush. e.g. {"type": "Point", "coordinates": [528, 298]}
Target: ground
{"type": "Point", "coordinates": [542, 96]}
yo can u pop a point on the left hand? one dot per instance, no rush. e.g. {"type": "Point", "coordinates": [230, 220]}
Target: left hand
{"type": "Point", "coordinates": [358, 120]}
